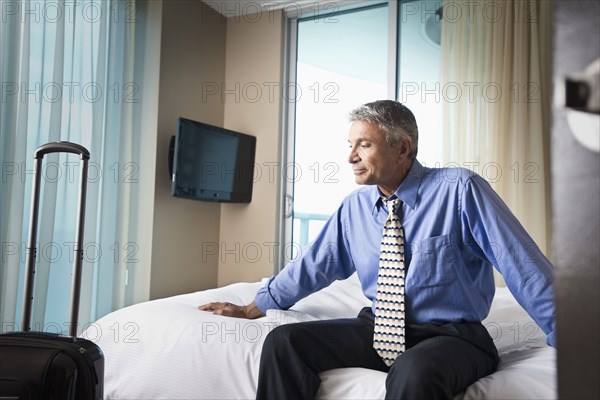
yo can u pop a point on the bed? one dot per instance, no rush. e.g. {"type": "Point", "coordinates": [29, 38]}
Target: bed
{"type": "Point", "coordinates": [167, 349]}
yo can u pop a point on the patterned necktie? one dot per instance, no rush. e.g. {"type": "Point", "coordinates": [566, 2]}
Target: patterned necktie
{"type": "Point", "coordinates": [388, 337]}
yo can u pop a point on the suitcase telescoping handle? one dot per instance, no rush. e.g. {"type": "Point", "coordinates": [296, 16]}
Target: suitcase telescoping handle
{"type": "Point", "coordinates": [40, 152]}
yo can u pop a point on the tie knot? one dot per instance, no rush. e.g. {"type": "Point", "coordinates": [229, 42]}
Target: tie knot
{"type": "Point", "coordinates": [392, 204]}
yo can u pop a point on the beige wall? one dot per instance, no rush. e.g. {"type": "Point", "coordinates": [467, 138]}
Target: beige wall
{"type": "Point", "coordinates": [184, 48]}
{"type": "Point", "coordinates": [226, 73]}
{"type": "Point", "coordinates": [253, 105]}
{"type": "Point", "coordinates": [192, 55]}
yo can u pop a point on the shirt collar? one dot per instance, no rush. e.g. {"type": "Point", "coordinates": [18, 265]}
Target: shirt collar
{"type": "Point", "coordinates": [408, 190]}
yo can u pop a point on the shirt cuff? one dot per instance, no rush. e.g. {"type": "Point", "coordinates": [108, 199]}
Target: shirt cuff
{"type": "Point", "coordinates": [551, 339]}
{"type": "Point", "coordinates": [264, 299]}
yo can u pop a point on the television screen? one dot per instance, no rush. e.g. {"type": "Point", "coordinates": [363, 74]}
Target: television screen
{"type": "Point", "coordinates": [212, 163]}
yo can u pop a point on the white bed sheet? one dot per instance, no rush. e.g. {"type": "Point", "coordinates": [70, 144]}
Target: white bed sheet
{"type": "Point", "coordinates": [167, 349]}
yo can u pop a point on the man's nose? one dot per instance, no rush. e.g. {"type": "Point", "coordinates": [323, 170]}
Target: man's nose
{"type": "Point", "coordinates": [353, 156]}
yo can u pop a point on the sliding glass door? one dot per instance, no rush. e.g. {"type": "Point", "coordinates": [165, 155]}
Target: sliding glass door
{"type": "Point", "coordinates": [338, 61]}
{"type": "Point", "coordinates": [341, 62]}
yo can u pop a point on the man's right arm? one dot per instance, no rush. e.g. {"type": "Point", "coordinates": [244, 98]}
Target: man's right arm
{"type": "Point", "coordinates": [320, 263]}
{"type": "Point", "coordinates": [325, 260]}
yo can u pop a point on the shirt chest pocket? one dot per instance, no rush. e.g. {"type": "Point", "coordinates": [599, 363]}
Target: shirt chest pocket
{"type": "Point", "coordinates": [433, 262]}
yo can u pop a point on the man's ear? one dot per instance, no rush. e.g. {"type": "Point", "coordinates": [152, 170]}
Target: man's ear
{"type": "Point", "coordinates": [404, 149]}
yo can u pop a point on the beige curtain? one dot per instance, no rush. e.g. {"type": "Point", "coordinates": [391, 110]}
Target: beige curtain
{"type": "Point", "coordinates": [495, 79]}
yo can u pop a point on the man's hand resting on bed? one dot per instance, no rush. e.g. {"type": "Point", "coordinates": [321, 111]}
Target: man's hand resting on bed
{"type": "Point", "coordinates": [250, 311]}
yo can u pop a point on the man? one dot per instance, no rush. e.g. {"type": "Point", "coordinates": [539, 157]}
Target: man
{"type": "Point", "coordinates": [432, 269]}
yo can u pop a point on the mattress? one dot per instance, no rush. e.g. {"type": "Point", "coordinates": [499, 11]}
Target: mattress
{"type": "Point", "coordinates": [168, 349]}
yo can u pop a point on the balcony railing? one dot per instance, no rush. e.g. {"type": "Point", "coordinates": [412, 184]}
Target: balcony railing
{"type": "Point", "coordinates": [304, 220]}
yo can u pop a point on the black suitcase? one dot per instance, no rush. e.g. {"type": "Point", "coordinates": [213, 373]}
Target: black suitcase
{"type": "Point", "coordinates": [37, 365]}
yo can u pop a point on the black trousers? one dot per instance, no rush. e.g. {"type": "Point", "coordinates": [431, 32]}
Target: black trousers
{"type": "Point", "coordinates": [440, 360]}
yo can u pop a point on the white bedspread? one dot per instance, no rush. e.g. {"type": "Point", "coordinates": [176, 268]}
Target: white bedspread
{"type": "Point", "coordinates": [167, 349]}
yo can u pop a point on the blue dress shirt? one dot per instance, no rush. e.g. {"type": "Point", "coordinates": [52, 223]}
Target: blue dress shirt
{"type": "Point", "coordinates": [456, 228]}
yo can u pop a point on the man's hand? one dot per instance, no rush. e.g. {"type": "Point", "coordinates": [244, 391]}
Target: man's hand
{"type": "Point", "coordinates": [250, 311]}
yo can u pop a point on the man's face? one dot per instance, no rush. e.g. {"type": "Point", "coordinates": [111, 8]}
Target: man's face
{"type": "Point", "coordinates": [373, 161]}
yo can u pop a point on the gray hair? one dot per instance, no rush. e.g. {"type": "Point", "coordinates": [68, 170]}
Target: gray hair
{"type": "Point", "coordinates": [394, 119]}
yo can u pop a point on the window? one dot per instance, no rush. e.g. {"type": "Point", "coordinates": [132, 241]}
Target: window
{"type": "Point", "coordinates": [337, 62]}
{"type": "Point", "coordinates": [67, 73]}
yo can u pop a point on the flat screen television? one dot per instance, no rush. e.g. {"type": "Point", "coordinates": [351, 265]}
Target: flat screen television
{"type": "Point", "coordinates": [211, 164]}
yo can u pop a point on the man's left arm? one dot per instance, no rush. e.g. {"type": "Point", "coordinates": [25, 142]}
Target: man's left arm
{"type": "Point", "coordinates": [506, 244]}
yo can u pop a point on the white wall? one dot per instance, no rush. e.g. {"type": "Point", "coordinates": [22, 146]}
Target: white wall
{"type": "Point", "coordinates": [148, 33]}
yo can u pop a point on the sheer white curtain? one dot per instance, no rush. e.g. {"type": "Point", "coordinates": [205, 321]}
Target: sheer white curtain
{"type": "Point", "coordinates": [67, 70]}
{"type": "Point", "coordinates": [495, 73]}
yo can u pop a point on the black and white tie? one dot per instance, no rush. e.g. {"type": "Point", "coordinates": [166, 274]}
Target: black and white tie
{"type": "Point", "coordinates": [389, 334]}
